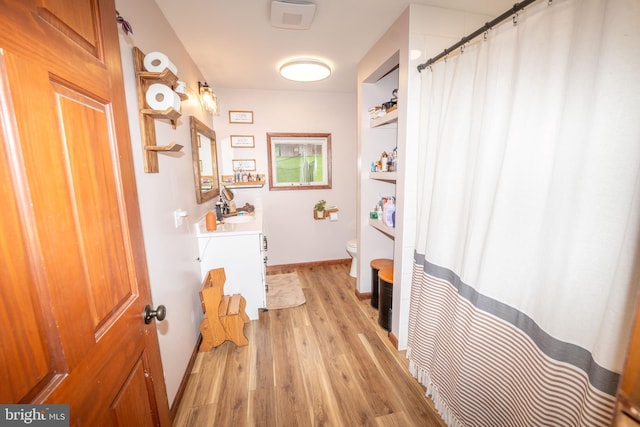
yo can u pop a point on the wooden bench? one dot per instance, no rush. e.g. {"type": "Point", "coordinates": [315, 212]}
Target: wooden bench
{"type": "Point", "coordinates": [224, 315]}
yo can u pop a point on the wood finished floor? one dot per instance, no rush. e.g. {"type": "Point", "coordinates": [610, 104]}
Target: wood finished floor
{"type": "Point", "coordinates": [325, 363]}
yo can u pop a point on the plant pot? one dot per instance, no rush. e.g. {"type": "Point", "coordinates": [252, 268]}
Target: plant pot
{"type": "Point", "coordinates": [319, 214]}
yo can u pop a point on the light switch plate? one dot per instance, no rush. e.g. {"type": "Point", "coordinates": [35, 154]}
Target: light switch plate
{"type": "Point", "coordinates": [178, 216]}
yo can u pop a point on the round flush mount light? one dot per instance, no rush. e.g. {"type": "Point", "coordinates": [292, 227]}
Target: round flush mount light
{"type": "Point", "coordinates": [305, 70]}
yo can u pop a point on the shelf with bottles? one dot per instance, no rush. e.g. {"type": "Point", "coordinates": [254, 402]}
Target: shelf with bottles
{"type": "Point", "coordinates": [251, 184]}
{"type": "Point", "coordinates": [385, 113]}
{"type": "Point", "coordinates": [381, 226]}
{"type": "Point", "coordinates": [388, 118]}
{"type": "Point", "coordinates": [243, 180]}
{"type": "Point", "coordinates": [385, 168]}
{"type": "Point", "coordinates": [383, 216]}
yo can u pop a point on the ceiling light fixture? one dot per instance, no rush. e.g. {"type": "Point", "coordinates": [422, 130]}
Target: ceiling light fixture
{"type": "Point", "coordinates": [208, 98]}
{"type": "Point", "coordinates": [305, 70]}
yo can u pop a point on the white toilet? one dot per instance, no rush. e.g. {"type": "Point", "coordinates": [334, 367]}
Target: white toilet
{"type": "Point", "coordinates": [352, 248]}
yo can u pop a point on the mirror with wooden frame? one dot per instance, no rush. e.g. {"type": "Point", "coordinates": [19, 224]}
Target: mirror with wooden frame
{"type": "Point", "coordinates": [205, 161]}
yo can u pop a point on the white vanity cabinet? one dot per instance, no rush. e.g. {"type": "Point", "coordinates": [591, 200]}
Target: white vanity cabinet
{"type": "Point", "coordinates": [241, 250]}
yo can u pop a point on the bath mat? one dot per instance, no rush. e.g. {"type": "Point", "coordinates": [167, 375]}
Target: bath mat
{"type": "Point", "coordinates": [283, 290]}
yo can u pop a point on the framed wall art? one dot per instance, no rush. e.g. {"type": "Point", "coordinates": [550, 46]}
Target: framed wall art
{"type": "Point", "coordinates": [240, 116]}
{"type": "Point", "coordinates": [242, 141]}
{"type": "Point", "coordinates": [243, 164]}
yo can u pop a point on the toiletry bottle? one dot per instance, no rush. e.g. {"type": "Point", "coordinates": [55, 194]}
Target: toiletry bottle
{"type": "Point", "coordinates": [211, 221]}
{"type": "Point", "coordinates": [389, 212]}
{"type": "Point", "coordinates": [395, 159]}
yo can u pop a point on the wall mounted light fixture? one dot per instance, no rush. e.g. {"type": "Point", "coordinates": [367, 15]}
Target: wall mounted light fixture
{"type": "Point", "coordinates": [208, 98]}
{"type": "Point", "coordinates": [305, 70]}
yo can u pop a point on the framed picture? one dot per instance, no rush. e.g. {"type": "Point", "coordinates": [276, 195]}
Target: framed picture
{"type": "Point", "coordinates": [299, 161]}
{"type": "Point", "coordinates": [242, 141]}
{"type": "Point", "coordinates": [237, 116]}
{"type": "Point", "coordinates": [244, 164]}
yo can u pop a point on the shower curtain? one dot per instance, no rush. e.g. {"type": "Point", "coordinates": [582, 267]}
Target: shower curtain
{"type": "Point", "coordinates": [527, 264]}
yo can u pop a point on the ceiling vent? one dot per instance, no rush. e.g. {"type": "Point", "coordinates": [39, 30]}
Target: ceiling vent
{"type": "Point", "coordinates": [292, 15]}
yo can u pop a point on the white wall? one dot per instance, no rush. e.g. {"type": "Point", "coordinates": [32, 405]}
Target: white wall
{"type": "Point", "coordinates": [174, 272]}
{"type": "Point", "coordinates": [294, 236]}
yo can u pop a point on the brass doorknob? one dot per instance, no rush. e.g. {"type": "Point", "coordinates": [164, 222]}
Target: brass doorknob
{"type": "Point", "coordinates": [159, 313]}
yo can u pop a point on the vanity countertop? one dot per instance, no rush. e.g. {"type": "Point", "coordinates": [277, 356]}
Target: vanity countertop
{"type": "Point", "coordinates": [229, 228]}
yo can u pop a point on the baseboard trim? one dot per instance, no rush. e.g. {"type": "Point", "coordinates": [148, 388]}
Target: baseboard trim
{"type": "Point", "coordinates": [185, 379]}
{"type": "Point", "coordinates": [362, 295]}
{"type": "Point", "coordinates": [393, 339]}
{"type": "Point", "coordinates": [274, 269]}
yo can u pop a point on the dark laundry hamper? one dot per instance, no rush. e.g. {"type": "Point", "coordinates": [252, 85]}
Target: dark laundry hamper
{"type": "Point", "coordinates": [385, 278]}
{"type": "Point", "coordinates": [377, 265]}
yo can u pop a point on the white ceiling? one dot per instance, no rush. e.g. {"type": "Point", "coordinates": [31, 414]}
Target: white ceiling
{"type": "Point", "coordinates": [234, 45]}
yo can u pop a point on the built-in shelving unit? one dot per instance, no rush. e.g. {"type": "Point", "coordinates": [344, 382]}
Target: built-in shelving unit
{"type": "Point", "coordinates": [383, 137]}
{"type": "Point", "coordinates": [381, 78]}
{"type": "Point", "coordinates": [377, 82]}
{"type": "Point", "coordinates": [148, 116]}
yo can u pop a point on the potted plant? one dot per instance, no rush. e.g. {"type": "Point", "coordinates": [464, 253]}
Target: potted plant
{"type": "Point", "coordinates": [318, 210]}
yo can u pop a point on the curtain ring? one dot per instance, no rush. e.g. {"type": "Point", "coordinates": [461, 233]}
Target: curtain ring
{"type": "Point", "coordinates": [550, 2]}
{"type": "Point", "coordinates": [462, 49]}
{"type": "Point", "coordinates": [515, 19]}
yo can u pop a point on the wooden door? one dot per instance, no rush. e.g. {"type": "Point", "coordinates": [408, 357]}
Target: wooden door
{"type": "Point", "coordinates": [627, 411]}
{"type": "Point", "coordinates": [73, 275]}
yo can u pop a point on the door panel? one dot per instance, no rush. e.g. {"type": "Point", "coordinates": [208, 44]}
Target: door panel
{"type": "Point", "coordinates": [32, 352]}
{"type": "Point", "coordinates": [126, 409]}
{"type": "Point", "coordinates": [26, 355]}
{"type": "Point", "coordinates": [99, 230]}
{"type": "Point", "coordinates": [77, 23]}
{"type": "Point", "coordinates": [75, 282]}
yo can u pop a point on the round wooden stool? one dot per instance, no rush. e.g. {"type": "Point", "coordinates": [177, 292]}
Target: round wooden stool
{"type": "Point", "coordinates": [377, 265]}
{"type": "Point", "coordinates": [385, 277]}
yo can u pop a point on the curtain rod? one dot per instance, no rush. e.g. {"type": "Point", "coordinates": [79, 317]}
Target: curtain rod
{"type": "Point", "coordinates": [486, 27]}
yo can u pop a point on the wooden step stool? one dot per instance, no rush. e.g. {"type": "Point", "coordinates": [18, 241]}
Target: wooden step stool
{"type": "Point", "coordinates": [224, 316]}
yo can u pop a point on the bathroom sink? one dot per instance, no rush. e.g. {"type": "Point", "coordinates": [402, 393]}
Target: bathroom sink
{"type": "Point", "coordinates": [238, 219]}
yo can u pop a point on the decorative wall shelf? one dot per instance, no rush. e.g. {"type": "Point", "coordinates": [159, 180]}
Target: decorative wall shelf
{"type": "Point", "coordinates": [149, 116]}
{"type": "Point", "coordinates": [171, 147]}
{"type": "Point", "coordinates": [251, 184]}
